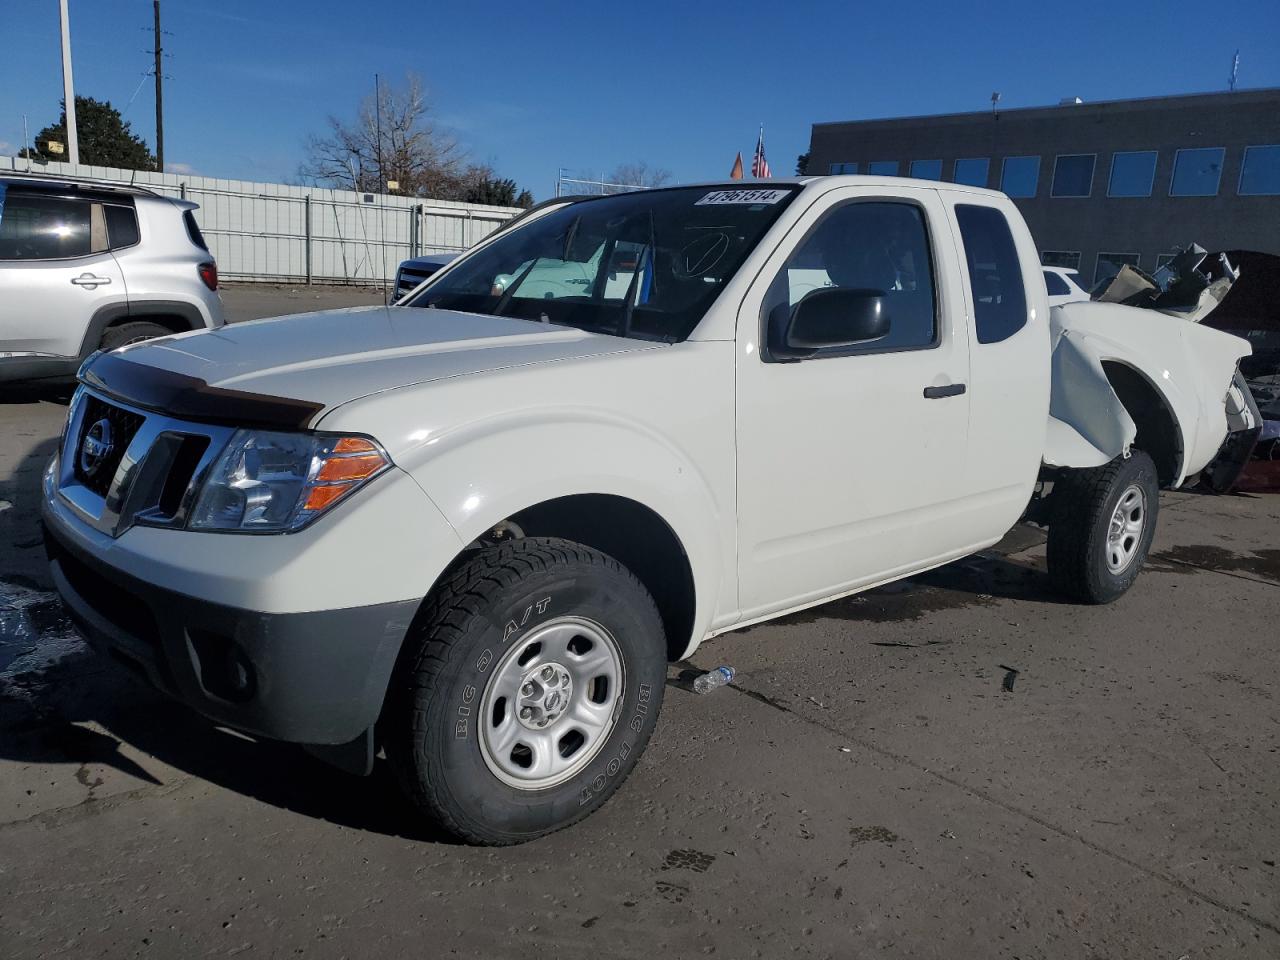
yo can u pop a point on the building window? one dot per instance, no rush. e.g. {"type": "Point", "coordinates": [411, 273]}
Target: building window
{"type": "Point", "coordinates": [1073, 175]}
{"type": "Point", "coordinates": [1061, 258]}
{"type": "Point", "coordinates": [1019, 176]}
{"type": "Point", "coordinates": [883, 168]}
{"type": "Point", "coordinates": [972, 171]}
{"type": "Point", "coordinates": [1132, 174]}
{"type": "Point", "coordinates": [1196, 172]}
{"type": "Point", "coordinates": [926, 169]}
{"type": "Point", "coordinates": [1260, 172]}
{"type": "Point", "coordinates": [838, 168]}
{"type": "Point", "coordinates": [1109, 265]}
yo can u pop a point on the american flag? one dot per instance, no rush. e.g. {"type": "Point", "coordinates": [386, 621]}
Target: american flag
{"type": "Point", "coordinates": [759, 165]}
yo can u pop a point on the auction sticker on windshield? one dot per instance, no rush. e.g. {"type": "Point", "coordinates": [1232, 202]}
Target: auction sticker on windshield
{"type": "Point", "coordinates": [742, 196]}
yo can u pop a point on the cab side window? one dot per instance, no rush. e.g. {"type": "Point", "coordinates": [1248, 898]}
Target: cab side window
{"type": "Point", "coordinates": [995, 277]}
{"type": "Point", "coordinates": [871, 246]}
{"type": "Point", "coordinates": [34, 227]}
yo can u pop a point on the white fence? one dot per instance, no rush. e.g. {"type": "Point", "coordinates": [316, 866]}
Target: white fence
{"type": "Point", "coordinates": [284, 233]}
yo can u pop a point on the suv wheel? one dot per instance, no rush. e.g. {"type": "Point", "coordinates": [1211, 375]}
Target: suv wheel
{"type": "Point", "coordinates": [134, 332]}
{"type": "Point", "coordinates": [526, 692]}
{"type": "Point", "coordinates": [1101, 525]}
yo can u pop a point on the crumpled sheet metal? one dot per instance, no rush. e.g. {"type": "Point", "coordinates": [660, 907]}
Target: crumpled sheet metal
{"type": "Point", "coordinates": [1088, 425]}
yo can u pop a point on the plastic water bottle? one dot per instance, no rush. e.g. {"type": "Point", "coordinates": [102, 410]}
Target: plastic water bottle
{"type": "Point", "coordinates": [716, 678]}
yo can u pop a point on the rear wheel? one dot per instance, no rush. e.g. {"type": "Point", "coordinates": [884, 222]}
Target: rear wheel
{"type": "Point", "coordinates": [133, 332]}
{"type": "Point", "coordinates": [1101, 525]}
{"type": "Point", "coordinates": [527, 691]}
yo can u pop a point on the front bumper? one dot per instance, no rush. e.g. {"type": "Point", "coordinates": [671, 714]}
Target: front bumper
{"type": "Point", "coordinates": [313, 678]}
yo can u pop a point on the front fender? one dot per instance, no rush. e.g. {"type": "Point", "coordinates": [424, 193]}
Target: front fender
{"type": "Point", "coordinates": [482, 472]}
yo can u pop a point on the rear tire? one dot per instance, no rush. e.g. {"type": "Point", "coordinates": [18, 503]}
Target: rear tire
{"type": "Point", "coordinates": [133, 332]}
{"type": "Point", "coordinates": [1101, 524]}
{"type": "Point", "coordinates": [526, 691]}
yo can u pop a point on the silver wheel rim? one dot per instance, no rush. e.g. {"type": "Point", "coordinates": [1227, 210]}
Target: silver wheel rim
{"type": "Point", "coordinates": [1124, 533]}
{"type": "Point", "coordinates": [550, 703]}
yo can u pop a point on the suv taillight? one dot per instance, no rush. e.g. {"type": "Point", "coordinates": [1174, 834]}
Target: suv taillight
{"type": "Point", "coordinates": [209, 274]}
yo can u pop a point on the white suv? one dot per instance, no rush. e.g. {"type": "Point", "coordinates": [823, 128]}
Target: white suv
{"type": "Point", "coordinates": [88, 266]}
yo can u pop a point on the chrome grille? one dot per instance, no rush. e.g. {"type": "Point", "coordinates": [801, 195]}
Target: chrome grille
{"type": "Point", "coordinates": [151, 474]}
{"type": "Point", "coordinates": [118, 426]}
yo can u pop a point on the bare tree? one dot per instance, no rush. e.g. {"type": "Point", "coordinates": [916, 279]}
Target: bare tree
{"type": "Point", "coordinates": [424, 159]}
{"type": "Point", "coordinates": [640, 174]}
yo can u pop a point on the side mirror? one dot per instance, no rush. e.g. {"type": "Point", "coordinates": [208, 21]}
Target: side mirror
{"type": "Point", "coordinates": [833, 317]}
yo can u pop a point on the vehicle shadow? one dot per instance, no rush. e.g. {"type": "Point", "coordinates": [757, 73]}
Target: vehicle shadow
{"type": "Point", "coordinates": [51, 684]}
{"type": "Point", "coordinates": [983, 579]}
{"type": "Point", "coordinates": [43, 725]}
{"type": "Point", "coordinates": [52, 391]}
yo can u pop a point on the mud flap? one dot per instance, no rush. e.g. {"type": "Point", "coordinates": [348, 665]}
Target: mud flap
{"type": "Point", "coordinates": [353, 757]}
{"type": "Point", "coordinates": [1223, 471]}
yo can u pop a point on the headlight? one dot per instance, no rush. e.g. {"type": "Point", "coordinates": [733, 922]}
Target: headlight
{"type": "Point", "coordinates": [271, 482]}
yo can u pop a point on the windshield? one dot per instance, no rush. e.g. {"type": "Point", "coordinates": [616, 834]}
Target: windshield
{"type": "Point", "coordinates": [646, 264]}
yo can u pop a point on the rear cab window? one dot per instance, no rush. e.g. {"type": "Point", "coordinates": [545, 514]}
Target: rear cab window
{"type": "Point", "coordinates": [995, 274]}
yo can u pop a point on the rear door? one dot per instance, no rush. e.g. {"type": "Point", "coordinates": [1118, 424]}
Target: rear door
{"type": "Point", "coordinates": [847, 459]}
{"type": "Point", "coordinates": [1006, 300]}
{"type": "Point", "coordinates": [56, 271]}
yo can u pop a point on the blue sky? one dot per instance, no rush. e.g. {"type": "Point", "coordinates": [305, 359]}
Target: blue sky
{"type": "Point", "coordinates": [532, 87]}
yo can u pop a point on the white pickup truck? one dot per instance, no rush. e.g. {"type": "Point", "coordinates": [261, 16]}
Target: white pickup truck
{"type": "Point", "coordinates": [472, 529]}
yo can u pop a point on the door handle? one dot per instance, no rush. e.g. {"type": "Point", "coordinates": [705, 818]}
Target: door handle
{"type": "Point", "coordinates": [950, 390]}
{"type": "Point", "coordinates": [89, 281]}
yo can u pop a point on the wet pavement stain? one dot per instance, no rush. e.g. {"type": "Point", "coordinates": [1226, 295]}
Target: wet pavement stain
{"type": "Point", "coordinates": [872, 835]}
{"type": "Point", "coordinates": [35, 630]}
{"type": "Point", "coordinates": [1186, 557]}
{"type": "Point", "coordinates": [694, 860]}
{"type": "Point", "coordinates": [671, 892]}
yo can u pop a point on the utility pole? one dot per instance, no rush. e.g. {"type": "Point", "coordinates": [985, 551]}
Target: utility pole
{"type": "Point", "coordinates": [159, 91]}
{"type": "Point", "coordinates": [68, 86]}
{"type": "Point", "coordinates": [377, 113]}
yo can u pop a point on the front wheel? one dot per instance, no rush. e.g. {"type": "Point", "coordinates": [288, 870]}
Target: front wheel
{"type": "Point", "coordinates": [526, 692]}
{"type": "Point", "coordinates": [135, 331]}
{"type": "Point", "coordinates": [1101, 524]}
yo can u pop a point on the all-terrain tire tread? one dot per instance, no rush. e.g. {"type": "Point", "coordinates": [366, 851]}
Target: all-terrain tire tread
{"type": "Point", "coordinates": [1078, 497]}
{"type": "Point", "coordinates": [466, 594]}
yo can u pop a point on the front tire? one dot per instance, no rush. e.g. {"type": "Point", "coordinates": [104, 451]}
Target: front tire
{"type": "Point", "coordinates": [1101, 526]}
{"type": "Point", "coordinates": [526, 691]}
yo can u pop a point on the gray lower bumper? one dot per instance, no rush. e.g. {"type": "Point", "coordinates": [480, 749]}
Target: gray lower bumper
{"type": "Point", "coordinates": [311, 678]}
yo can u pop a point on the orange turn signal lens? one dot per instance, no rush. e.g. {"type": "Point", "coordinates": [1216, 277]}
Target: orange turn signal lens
{"type": "Point", "coordinates": [321, 497]}
{"type": "Point", "coordinates": [341, 469]}
{"type": "Point", "coordinates": [354, 445]}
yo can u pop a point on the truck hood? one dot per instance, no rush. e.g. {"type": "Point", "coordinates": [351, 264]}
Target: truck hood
{"type": "Point", "coordinates": [309, 363]}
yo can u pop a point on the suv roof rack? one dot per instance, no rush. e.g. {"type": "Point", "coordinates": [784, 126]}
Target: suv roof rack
{"type": "Point", "coordinates": [62, 180]}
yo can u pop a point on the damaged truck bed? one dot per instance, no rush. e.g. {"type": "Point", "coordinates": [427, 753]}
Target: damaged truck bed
{"type": "Point", "coordinates": [1135, 365]}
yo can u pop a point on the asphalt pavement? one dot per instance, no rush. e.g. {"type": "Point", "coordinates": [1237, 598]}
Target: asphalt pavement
{"type": "Point", "coordinates": [960, 765]}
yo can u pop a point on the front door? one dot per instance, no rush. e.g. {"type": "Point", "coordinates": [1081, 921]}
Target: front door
{"type": "Point", "coordinates": [847, 459]}
{"type": "Point", "coordinates": [55, 272]}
